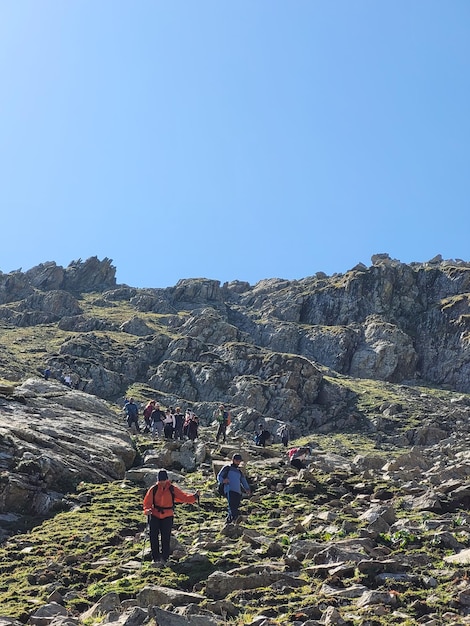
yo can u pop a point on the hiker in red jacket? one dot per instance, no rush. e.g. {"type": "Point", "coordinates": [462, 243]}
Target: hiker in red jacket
{"type": "Point", "coordinates": [159, 503]}
{"type": "Point", "coordinates": [297, 457]}
{"type": "Point", "coordinates": [147, 413]}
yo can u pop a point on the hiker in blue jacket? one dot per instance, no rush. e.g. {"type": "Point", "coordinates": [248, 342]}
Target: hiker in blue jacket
{"type": "Point", "coordinates": [132, 412]}
{"type": "Point", "coordinates": [232, 477]}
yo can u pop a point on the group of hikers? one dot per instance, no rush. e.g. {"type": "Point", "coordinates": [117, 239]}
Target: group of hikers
{"type": "Point", "coordinates": [262, 435]}
{"type": "Point", "coordinates": [160, 500]}
{"type": "Point", "coordinates": [171, 423]}
{"type": "Point", "coordinates": [65, 378]}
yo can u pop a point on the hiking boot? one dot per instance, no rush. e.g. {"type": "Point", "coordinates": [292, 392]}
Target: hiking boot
{"type": "Point", "coordinates": [158, 563]}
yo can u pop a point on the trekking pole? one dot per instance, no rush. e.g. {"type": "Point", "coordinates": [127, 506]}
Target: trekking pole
{"type": "Point", "coordinates": [199, 517]}
{"type": "Point", "coordinates": [147, 532]}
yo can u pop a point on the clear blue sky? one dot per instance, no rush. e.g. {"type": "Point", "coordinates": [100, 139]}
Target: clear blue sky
{"type": "Point", "coordinates": [233, 140]}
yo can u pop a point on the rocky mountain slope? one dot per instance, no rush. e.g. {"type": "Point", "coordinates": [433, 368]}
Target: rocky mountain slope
{"type": "Point", "coordinates": [276, 350]}
{"type": "Point", "coordinates": [370, 368]}
{"type": "Point", "coordinates": [367, 534]}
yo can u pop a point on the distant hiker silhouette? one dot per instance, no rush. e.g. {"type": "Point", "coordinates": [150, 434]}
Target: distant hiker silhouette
{"type": "Point", "coordinates": [261, 436]}
{"type": "Point", "coordinates": [193, 427]}
{"type": "Point", "coordinates": [132, 413]}
{"type": "Point", "coordinates": [223, 419]}
{"type": "Point", "coordinates": [283, 434]}
{"type": "Point", "coordinates": [147, 415]}
{"type": "Point", "coordinates": [179, 421]}
{"type": "Point", "coordinates": [156, 420]}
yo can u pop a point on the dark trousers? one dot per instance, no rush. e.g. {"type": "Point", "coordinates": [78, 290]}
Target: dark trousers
{"type": "Point", "coordinates": [221, 431]}
{"type": "Point", "coordinates": [297, 463]}
{"type": "Point", "coordinates": [160, 535]}
{"type": "Point", "coordinates": [131, 420]}
{"type": "Point", "coordinates": [233, 500]}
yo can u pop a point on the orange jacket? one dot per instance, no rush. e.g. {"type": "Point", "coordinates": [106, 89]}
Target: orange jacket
{"type": "Point", "coordinates": [164, 499]}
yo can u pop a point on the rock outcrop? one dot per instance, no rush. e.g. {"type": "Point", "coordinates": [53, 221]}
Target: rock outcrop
{"type": "Point", "coordinates": [52, 438]}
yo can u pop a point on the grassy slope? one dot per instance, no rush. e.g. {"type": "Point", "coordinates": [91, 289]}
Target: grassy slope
{"type": "Point", "coordinates": [98, 546]}
{"type": "Point", "coordinates": [83, 553]}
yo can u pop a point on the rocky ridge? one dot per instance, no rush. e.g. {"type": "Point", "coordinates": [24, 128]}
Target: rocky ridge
{"type": "Point", "coordinates": [277, 350]}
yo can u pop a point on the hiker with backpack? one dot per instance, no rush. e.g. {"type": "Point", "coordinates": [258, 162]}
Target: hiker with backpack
{"type": "Point", "coordinates": [159, 504]}
{"type": "Point", "coordinates": [187, 419]}
{"type": "Point", "coordinates": [132, 412]}
{"type": "Point", "coordinates": [232, 481]}
{"type": "Point", "coordinates": [223, 419]}
{"type": "Point", "coordinates": [169, 423]}
{"type": "Point", "coordinates": [193, 426]}
{"type": "Point", "coordinates": [261, 436]}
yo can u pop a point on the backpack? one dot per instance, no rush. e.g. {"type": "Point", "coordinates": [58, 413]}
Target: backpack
{"type": "Point", "coordinates": [221, 486]}
{"type": "Point", "coordinates": [223, 417]}
{"type": "Point", "coordinates": [160, 509]}
{"type": "Point", "coordinates": [295, 453]}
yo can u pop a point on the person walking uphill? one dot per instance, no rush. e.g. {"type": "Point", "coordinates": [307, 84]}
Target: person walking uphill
{"type": "Point", "coordinates": [157, 421]}
{"type": "Point", "coordinates": [283, 434]}
{"type": "Point", "coordinates": [261, 436]}
{"type": "Point", "coordinates": [234, 480]}
{"type": "Point", "coordinates": [132, 412]}
{"type": "Point", "coordinates": [147, 413]}
{"type": "Point", "coordinates": [159, 503]}
{"type": "Point", "coordinates": [223, 419]}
